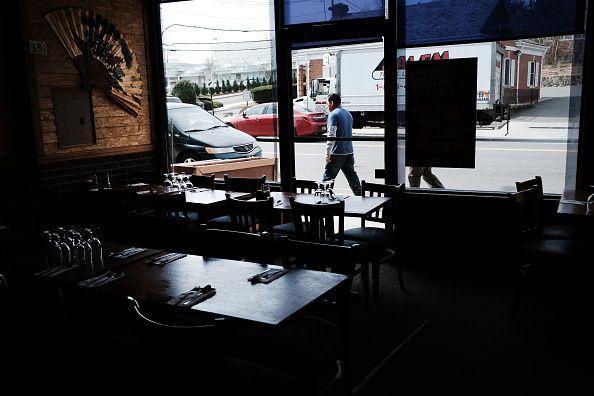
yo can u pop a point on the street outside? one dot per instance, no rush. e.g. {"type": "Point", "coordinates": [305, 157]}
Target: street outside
{"type": "Point", "coordinates": [534, 143]}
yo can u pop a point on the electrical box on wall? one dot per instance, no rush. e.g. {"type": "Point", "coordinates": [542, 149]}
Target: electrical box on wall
{"type": "Point", "coordinates": [74, 116]}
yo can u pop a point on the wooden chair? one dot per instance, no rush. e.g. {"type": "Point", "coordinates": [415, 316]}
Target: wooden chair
{"type": "Point", "coordinates": [164, 224]}
{"type": "Point", "coordinates": [244, 184]}
{"type": "Point", "coordinates": [3, 287]}
{"type": "Point", "coordinates": [203, 181]}
{"type": "Point", "coordinates": [553, 230]}
{"type": "Point", "coordinates": [234, 245]}
{"type": "Point", "coordinates": [149, 177]}
{"type": "Point", "coordinates": [244, 217]}
{"type": "Point", "coordinates": [381, 240]}
{"type": "Point", "coordinates": [192, 358]}
{"type": "Point", "coordinates": [552, 265]}
{"type": "Point", "coordinates": [314, 222]}
{"type": "Point", "coordinates": [250, 215]}
{"type": "Point", "coordinates": [302, 186]}
{"type": "Point", "coordinates": [325, 224]}
{"type": "Point", "coordinates": [306, 186]}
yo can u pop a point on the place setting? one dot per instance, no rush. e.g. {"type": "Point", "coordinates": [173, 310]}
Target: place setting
{"type": "Point", "coordinates": [194, 296]}
{"type": "Point", "coordinates": [267, 276]}
{"type": "Point", "coordinates": [100, 280]}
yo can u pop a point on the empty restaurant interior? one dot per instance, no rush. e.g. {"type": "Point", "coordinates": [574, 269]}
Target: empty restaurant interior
{"type": "Point", "coordinates": [453, 326]}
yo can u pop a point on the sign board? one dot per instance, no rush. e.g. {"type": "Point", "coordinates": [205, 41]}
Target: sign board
{"type": "Point", "coordinates": [441, 113]}
{"type": "Point", "coordinates": [247, 95]}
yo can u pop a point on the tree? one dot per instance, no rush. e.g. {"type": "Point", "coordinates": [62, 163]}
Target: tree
{"type": "Point", "coordinates": [235, 86]}
{"type": "Point", "coordinates": [241, 85]}
{"type": "Point", "coordinates": [264, 82]}
{"type": "Point", "coordinates": [184, 90]}
{"type": "Point", "coordinates": [204, 89]}
{"type": "Point", "coordinates": [217, 87]}
{"type": "Point", "coordinates": [197, 89]}
{"type": "Point", "coordinates": [210, 69]}
{"type": "Point", "coordinates": [249, 84]}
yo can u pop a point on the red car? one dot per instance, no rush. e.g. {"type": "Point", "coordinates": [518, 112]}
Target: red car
{"type": "Point", "coordinates": [262, 120]}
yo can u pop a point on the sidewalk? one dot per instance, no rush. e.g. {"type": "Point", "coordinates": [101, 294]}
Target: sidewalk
{"type": "Point", "coordinates": [517, 131]}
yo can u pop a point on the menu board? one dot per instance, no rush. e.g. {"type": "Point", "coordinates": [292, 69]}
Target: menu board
{"type": "Point", "coordinates": [441, 113]}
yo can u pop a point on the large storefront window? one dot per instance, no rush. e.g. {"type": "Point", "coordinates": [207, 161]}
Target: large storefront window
{"type": "Point", "coordinates": [219, 61]}
{"type": "Point", "coordinates": [527, 90]}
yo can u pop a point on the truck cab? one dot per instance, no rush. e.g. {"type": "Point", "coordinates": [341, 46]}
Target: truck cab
{"type": "Point", "coordinates": [320, 89]}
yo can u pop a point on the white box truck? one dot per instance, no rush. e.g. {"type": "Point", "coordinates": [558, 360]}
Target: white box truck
{"type": "Point", "coordinates": [357, 74]}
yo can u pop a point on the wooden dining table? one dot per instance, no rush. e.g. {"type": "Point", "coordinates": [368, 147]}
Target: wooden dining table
{"type": "Point", "coordinates": [207, 203]}
{"type": "Point", "coordinates": [354, 206]}
{"type": "Point", "coordinates": [236, 297]}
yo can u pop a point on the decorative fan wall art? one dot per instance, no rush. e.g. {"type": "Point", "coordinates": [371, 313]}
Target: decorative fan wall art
{"type": "Point", "coordinates": [100, 53]}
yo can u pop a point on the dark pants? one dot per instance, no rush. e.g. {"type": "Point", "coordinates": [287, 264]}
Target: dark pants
{"type": "Point", "coordinates": [346, 163]}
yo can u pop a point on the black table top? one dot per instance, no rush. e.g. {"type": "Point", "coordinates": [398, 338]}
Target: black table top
{"type": "Point", "coordinates": [236, 297]}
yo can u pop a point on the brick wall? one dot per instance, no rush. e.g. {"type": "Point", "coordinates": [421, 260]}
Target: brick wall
{"type": "Point", "coordinates": [114, 126]}
{"type": "Point", "coordinates": [123, 142]}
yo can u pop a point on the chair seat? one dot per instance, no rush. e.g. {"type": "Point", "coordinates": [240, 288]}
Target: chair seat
{"type": "Point", "coordinates": [557, 249]}
{"type": "Point", "coordinates": [285, 228]}
{"type": "Point", "coordinates": [221, 222]}
{"type": "Point", "coordinates": [372, 235]}
{"type": "Point", "coordinates": [575, 232]}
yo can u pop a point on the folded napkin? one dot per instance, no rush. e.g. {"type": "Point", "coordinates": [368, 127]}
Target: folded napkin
{"type": "Point", "coordinates": [53, 271]}
{"type": "Point", "coordinates": [193, 297]}
{"type": "Point", "coordinates": [101, 280]}
{"type": "Point", "coordinates": [198, 189]}
{"type": "Point", "coordinates": [166, 258]}
{"type": "Point", "coordinates": [267, 276]}
{"type": "Point", "coordinates": [127, 252]}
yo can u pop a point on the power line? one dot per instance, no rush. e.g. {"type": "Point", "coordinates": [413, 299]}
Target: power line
{"type": "Point", "coordinates": [218, 29]}
{"type": "Point", "coordinates": [221, 42]}
{"type": "Point", "coordinates": [220, 50]}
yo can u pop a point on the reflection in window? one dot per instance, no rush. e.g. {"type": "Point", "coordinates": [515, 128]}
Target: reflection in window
{"type": "Point", "coordinates": [315, 11]}
{"type": "Point", "coordinates": [428, 22]}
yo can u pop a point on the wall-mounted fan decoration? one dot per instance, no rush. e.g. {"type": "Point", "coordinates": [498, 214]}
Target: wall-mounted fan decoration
{"type": "Point", "coordinates": [100, 53]}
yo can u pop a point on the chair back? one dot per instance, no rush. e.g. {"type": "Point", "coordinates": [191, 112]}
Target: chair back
{"type": "Point", "coordinates": [305, 186]}
{"type": "Point", "coordinates": [142, 176]}
{"type": "Point", "coordinates": [169, 205]}
{"type": "Point", "coordinates": [235, 245]}
{"type": "Point", "coordinates": [3, 287]}
{"type": "Point", "coordinates": [253, 216]}
{"type": "Point", "coordinates": [387, 214]}
{"type": "Point", "coordinates": [535, 184]}
{"type": "Point", "coordinates": [187, 356]}
{"type": "Point", "coordinates": [340, 259]}
{"type": "Point", "coordinates": [244, 184]}
{"type": "Point", "coordinates": [525, 215]}
{"type": "Point", "coordinates": [203, 181]}
{"type": "Point", "coordinates": [316, 222]}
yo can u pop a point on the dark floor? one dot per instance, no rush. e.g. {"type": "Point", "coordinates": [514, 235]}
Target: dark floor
{"type": "Point", "coordinates": [450, 332]}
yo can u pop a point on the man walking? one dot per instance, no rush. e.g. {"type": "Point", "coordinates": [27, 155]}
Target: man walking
{"type": "Point", "coordinates": [339, 154]}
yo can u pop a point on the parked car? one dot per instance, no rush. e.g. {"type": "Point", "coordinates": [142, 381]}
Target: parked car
{"type": "Point", "coordinates": [261, 120]}
{"type": "Point", "coordinates": [198, 135]}
{"type": "Point", "coordinates": [173, 99]}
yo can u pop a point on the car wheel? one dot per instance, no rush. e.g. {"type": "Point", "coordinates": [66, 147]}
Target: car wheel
{"type": "Point", "coordinates": [189, 157]}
